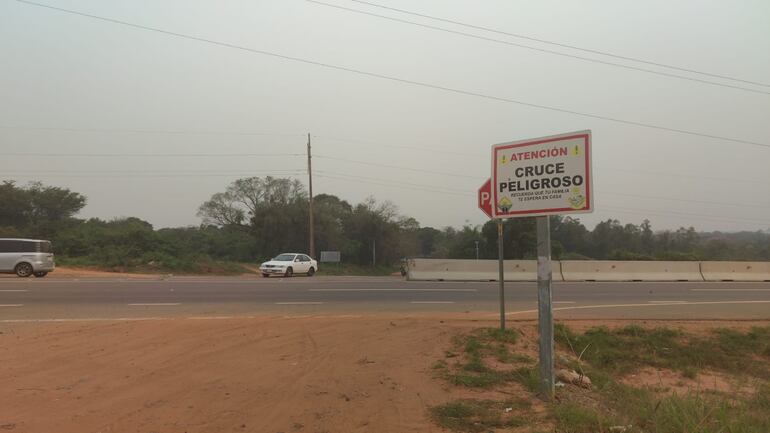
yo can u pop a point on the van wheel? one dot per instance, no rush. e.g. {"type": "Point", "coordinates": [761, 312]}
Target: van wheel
{"type": "Point", "coordinates": [40, 274]}
{"type": "Point", "coordinates": [24, 270]}
{"type": "Point", "coordinates": [310, 272]}
{"type": "Point", "coordinates": [265, 275]}
{"type": "Point", "coordinates": [289, 272]}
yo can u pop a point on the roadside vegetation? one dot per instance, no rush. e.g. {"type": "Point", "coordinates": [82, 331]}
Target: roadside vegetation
{"type": "Point", "coordinates": [254, 219]}
{"type": "Point", "coordinates": [712, 382]}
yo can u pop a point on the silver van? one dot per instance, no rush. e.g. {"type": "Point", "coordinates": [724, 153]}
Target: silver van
{"type": "Point", "coordinates": [25, 257]}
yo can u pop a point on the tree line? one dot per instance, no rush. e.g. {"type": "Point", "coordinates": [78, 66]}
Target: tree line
{"type": "Point", "coordinates": [256, 218]}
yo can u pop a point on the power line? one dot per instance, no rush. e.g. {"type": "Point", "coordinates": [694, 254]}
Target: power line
{"type": "Point", "coordinates": [686, 176]}
{"type": "Point", "coordinates": [563, 45]}
{"type": "Point", "coordinates": [542, 50]}
{"type": "Point", "coordinates": [396, 182]}
{"type": "Point", "coordinates": [674, 213]}
{"type": "Point", "coordinates": [685, 200]}
{"type": "Point", "coordinates": [400, 80]}
{"type": "Point", "coordinates": [152, 172]}
{"type": "Point", "coordinates": [149, 131]}
{"type": "Point", "coordinates": [150, 155]}
{"type": "Point", "coordinates": [418, 170]}
{"type": "Point", "coordinates": [136, 175]}
{"type": "Point", "coordinates": [406, 147]}
{"type": "Point", "coordinates": [418, 188]}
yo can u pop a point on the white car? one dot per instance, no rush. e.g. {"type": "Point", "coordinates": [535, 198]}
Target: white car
{"type": "Point", "coordinates": [288, 264]}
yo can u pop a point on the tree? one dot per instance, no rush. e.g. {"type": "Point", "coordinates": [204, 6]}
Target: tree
{"type": "Point", "coordinates": [37, 205]}
{"type": "Point", "coordinates": [50, 203]}
{"type": "Point", "coordinates": [372, 227]}
{"type": "Point", "coordinates": [571, 234]}
{"type": "Point", "coordinates": [245, 198]}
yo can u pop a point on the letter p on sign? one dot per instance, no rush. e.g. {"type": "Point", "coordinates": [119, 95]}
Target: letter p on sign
{"type": "Point", "coordinates": [485, 198]}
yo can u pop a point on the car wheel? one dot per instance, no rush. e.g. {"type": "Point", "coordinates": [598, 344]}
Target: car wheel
{"type": "Point", "coordinates": [265, 275]}
{"type": "Point", "coordinates": [310, 272]}
{"type": "Point", "coordinates": [24, 270]}
{"type": "Point", "coordinates": [289, 272]}
{"type": "Point", "coordinates": [40, 274]}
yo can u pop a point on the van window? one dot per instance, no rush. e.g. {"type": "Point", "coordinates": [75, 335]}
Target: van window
{"type": "Point", "coordinates": [45, 247]}
{"type": "Point", "coordinates": [7, 246]}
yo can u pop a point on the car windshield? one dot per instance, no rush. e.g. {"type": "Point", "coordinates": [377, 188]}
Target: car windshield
{"type": "Point", "coordinates": [284, 258]}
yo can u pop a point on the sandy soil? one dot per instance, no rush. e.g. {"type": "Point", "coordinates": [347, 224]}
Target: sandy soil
{"type": "Point", "coordinates": [666, 381]}
{"type": "Point", "coordinates": [250, 375]}
{"type": "Point", "coordinates": [64, 272]}
{"type": "Point", "coordinates": [268, 374]}
{"type": "Point", "coordinates": [68, 273]}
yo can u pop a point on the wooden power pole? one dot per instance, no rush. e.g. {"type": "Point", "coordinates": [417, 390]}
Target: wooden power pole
{"type": "Point", "coordinates": [311, 248]}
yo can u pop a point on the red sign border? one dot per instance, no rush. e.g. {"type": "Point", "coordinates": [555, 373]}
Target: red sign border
{"type": "Point", "coordinates": [586, 135]}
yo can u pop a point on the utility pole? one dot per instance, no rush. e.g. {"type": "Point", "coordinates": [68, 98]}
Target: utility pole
{"type": "Point", "coordinates": [374, 252]}
{"type": "Point", "coordinates": [477, 250]}
{"type": "Point", "coordinates": [311, 248]}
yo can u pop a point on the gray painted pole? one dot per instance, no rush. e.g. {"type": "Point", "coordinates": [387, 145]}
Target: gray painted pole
{"type": "Point", "coordinates": [544, 308]}
{"type": "Point", "coordinates": [501, 275]}
{"type": "Point", "coordinates": [311, 235]}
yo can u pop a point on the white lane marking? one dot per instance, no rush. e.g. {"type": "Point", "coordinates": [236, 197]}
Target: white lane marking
{"type": "Point", "coordinates": [298, 303]}
{"type": "Point", "coordinates": [392, 290]}
{"type": "Point", "coordinates": [153, 304]}
{"type": "Point", "coordinates": [583, 307]}
{"type": "Point", "coordinates": [432, 302]}
{"type": "Point", "coordinates": [730, 290]}
{"type": "Point", "coordinates": [19, 290]}
{"type": "Point", "coordinates": [667, 302]}
{"type": "Point", "coordinates": [11, 305]}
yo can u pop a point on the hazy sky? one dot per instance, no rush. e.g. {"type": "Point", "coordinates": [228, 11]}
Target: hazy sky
{"type": "Point", "coordinates": [71, 85]}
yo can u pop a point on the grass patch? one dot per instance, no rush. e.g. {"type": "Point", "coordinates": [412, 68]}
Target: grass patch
{"type": "Point", "coordinates": [689, 372]}
{"type": "Point", "coordinates": [528, 376]}
{"type": "Point", "coordinates": [604, 355]}
{"type": "Point", "coordinates": [474, 347]}
{"type": "Point", "coordinates": [476, 380]}
{"type": "Point", "coordinates": [478, 415]}
{"type": "Point", "coordinates": [440, 365]}
{"type": "Point", "coordinates": [573, 418]}
{"type": "Point", "coordinates": [626, 349]}
{"type": "Point", "coordinates": [644, 411]}
{"type": "Point", "coordinates": [155, 263]}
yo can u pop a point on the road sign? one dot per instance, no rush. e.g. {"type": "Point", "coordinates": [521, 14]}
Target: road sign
{"type": "Point", "coordinates": [485, 198]}
{"type": "Point", "coordinates": [542, 176]}
{"type": "Point", "coordinates": [330, 256]}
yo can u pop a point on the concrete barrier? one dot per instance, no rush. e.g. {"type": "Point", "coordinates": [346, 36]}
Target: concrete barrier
{"type": "Point", "coordinates": [474, 270]}
{"type": "Point", "coordinates": [611, 270]}
{"type": "Point", "coordinates": [735, 271]}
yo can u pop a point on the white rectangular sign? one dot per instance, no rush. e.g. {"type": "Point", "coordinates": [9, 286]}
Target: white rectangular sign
{"type": "Point", "coordinates": [542, 176]}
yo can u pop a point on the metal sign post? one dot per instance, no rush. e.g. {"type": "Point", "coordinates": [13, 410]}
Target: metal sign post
{"type": "Point", "coordinates": [501, 276]}
{"type": "Point", "coordinates": [544, 310]}
{"type": "Point", "coordinates": [485, 204]}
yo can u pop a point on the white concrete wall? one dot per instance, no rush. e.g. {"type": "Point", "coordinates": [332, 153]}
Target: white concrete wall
{"type": "Point", "coordinates": [736, 271]}
{"type": "Point", "coordinates": [475, 270]}
{"type": "Point", "coordinates": [612, 270]}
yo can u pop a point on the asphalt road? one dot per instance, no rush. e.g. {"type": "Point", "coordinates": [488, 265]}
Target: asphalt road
{"type": "Point", "coordinates": [212, 297]}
